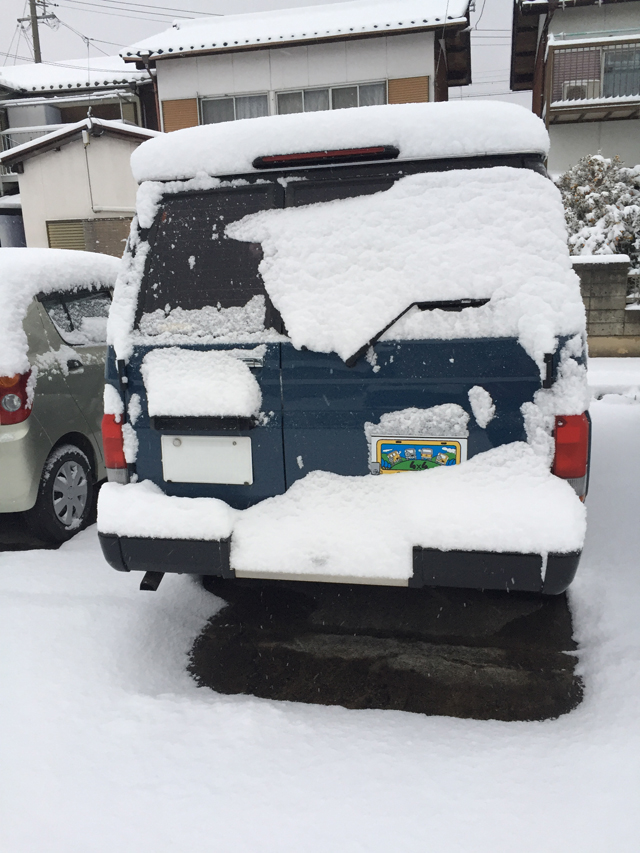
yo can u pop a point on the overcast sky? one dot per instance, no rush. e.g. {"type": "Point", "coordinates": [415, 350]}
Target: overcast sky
{"type": "Point", "coordinates": [114, 24]}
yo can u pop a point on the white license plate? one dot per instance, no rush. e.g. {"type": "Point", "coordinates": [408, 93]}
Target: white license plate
{"type": "Point", "coordinates": [207, 459]}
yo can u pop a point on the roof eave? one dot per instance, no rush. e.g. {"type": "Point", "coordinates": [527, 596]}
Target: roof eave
{"type": "Point", "coordinates": [37, 148]}
{"type": "Point", "coordinates": [153, 56]}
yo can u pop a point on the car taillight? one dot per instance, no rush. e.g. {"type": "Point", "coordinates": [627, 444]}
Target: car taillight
{"type": "Point", "coordinates": [112, 442]}
{"type": "Point", "coordinates": [14, 404]}
{"type": "Point", "coordinates": [572, 446]}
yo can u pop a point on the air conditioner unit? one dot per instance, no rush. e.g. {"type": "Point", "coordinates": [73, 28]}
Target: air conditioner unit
{"type": "Point", "coordinates": [580, 90]}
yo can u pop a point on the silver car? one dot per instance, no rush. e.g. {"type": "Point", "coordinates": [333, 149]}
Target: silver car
{"type": "Point", "coordinates": [53, 311]}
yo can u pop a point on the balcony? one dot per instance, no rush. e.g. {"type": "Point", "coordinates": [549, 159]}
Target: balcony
{"type": "Point", "coordinates": [598, 81]}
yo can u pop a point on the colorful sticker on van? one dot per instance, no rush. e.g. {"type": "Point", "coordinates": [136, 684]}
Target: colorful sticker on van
{"type": "Point", "coordinates": [408, 454]}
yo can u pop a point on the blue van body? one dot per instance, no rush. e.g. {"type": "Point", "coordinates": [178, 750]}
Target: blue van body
{"type": "Point", "coordinates": [318, 403]}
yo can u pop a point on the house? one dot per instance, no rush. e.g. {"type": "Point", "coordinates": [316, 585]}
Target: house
{"type": "Point", "coordinates": [76, 186]}
{"type": "Point", "coordinates": [333, 56]}
{"type": "Point", "coordinates": [581, 60]}
{"type": "Point", "coordinates": [36, 99]}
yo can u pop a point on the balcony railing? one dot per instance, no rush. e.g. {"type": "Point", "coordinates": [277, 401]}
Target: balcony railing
{"type": "Point", "coordinates": [596, 73]}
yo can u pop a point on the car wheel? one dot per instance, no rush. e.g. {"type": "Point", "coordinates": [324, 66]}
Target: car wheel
{"type": "Point", "coordinates": [65, 496]}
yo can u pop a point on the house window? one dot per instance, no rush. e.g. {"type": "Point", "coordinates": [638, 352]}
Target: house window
{"type": "Point", "coordinates": [336, 98]}
{"type": "Point", "coordinates": [215, 110]}
{"type": "Point", "coordinates": [588, 73]}
{"type": "Point", "coordinates": [621, 71]}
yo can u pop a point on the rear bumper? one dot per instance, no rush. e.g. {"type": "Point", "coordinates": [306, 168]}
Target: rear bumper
{"type": "Point", "coordinates": [464, 569]}
{"type": "Point", "coordinates": [22, 455]}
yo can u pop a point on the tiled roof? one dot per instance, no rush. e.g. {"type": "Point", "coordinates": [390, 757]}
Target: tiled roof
{"type": "Point", "coordinates": [311, 23]}
{"type": "Point", "coordinates": [72, 74]}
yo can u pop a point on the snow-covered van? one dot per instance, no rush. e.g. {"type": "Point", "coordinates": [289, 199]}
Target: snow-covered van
{"type": "Point", "coordinates": [300, 292]}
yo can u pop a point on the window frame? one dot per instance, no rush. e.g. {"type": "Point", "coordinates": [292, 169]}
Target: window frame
{"type": "Point", "coordinates": [233, 97]}
{"type": "Point", "coordinates": [69, 296]}
{"type": "Point", "coordinates": [384, 82]}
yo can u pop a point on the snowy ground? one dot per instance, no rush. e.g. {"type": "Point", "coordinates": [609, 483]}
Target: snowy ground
{"type": "Point", "coordinates": [108, 745]}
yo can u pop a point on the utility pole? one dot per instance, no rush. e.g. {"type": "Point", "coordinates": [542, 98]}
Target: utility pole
{"type": "Point", "coordinates": [33, 19]}
{"type": "Point", "coordinates": [37, 55]}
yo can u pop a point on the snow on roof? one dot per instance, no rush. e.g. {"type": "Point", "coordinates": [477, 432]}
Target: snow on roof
{"type": "Point", "coordinates": [69, 130]}
{"type": "Point", "coordinates": [71, 74]}
{"type": "Point", "coordinates": [283, 26]}
{"type": "Point", "coordinates": [10, 202]}
{"type": "Point", "coordinates": [435, 130]}
{"type": "Point", "coordinates": [27, 272]}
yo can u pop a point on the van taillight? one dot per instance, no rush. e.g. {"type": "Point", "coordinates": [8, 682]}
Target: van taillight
{"type": "Point", "coordinates": [572, 446]}
{"type": "Point", "coordinates": [112, 442]}
{"type": "Point", "coordinates": [14, 405]}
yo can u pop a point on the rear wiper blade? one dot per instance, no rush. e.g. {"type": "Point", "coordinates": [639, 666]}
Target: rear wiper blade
{"type": "Point", "coordinates": [443, 305]}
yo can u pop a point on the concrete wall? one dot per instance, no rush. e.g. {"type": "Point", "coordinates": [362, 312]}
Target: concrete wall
{"type": "Point", "coordinates": [74, 183]}
{"type": "Point", "coordinates": [247, 72]}
{"type": "Point", "coordinates": [611, 329]}
{"type": "Point", "coordinates": [570, 142]}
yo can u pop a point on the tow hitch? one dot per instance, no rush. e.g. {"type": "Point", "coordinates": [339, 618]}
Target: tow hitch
{"type": "Point", "coordinates": [151, 581]}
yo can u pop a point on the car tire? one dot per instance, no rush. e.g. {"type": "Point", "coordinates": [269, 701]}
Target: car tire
{"type": "Point", "coordinates": [65, 495]}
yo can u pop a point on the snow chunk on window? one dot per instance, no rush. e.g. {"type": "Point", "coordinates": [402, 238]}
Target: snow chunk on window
{"type": "Point", "coordinates": [182, 382]}
{"type": "Point", "coordinates": [434, 130]}
{"type": "Point", "coordinates": [207, 322]}
{"type": "Point", "coordinates": [24, 273]}
{"type": "Point", "coordinates": [446, 421]}
{"type": "Point", "coordinates": [482, 405]}
{"type": "Point", "coordinates": [339, 272]}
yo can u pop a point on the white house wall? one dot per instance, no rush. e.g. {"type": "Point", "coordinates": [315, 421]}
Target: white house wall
{"type": "Point", "coordinates": [570, 142]}
{"type": "Point", "coordinates": [56, 186]}
{"type": "Point", "coordinates": [331, 64]}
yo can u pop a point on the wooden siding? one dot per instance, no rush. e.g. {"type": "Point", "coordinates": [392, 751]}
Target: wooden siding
{"type": "Point", "coordinates": [409, 90]}
{"type": "Point", "coordinates": [179, 114]}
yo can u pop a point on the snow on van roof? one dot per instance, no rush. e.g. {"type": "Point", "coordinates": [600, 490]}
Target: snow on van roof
{"type": "Point", "coordinates": [311, 23]}
{"type": "Point", "coordinates": [27, 272]}
{"type": "Point", "coordinates": [435, 130]}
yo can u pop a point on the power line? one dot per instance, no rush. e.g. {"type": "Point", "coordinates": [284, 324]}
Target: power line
{"type": "Point", "coordinates": [92, 70]}
{"type": "Point", "coordinates": [15, 33]}
{"type": "Point", "coordinates": [114, 11]}
{"type": "Point", "coordinates": [119, 15]}
{"type": "Point", "coordinates": [154, 7]}
{"type": "Point", "coordinates": [84, 38]}
{"type": "Point", "coordinates": [481, 13]}
{"type": "Point", "coordinates": [111, 7]}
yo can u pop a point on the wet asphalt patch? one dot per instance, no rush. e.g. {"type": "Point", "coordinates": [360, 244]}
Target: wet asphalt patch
{"type": "Point", "coordinates": [460, 653]}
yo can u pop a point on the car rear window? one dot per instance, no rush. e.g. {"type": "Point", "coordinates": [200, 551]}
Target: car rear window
{"type": "Point", "coordinates": [192, 263]}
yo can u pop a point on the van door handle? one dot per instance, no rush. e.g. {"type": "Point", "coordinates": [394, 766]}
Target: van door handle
{"type": "Point", "coordinates": [74, 365]}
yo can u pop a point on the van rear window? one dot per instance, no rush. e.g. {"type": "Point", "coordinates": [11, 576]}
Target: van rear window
{"type": "Point", "coordinates": [192, 263]}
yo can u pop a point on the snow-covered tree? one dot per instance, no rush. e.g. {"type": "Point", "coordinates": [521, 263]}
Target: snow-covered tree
{"type": "Point", "coordinates": [602, 207]}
